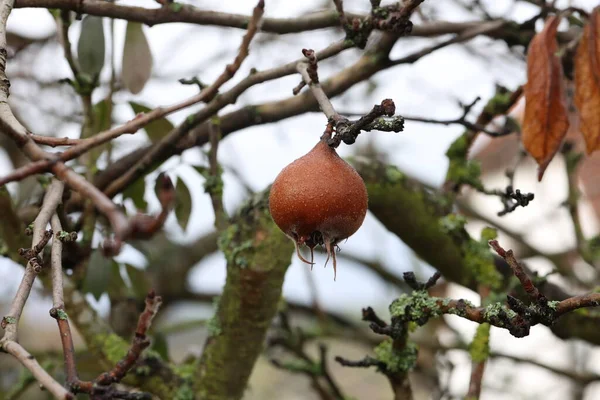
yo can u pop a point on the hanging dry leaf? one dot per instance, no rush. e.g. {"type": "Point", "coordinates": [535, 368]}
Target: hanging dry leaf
{"type": "Point", "coordinates": [546, 120]}
{"type": "Point", "coordinates": [90, 48]}
{"type": "Point", "coordinates": [137, 59]}
{"type": "Point", "coordinates": [587, 82]}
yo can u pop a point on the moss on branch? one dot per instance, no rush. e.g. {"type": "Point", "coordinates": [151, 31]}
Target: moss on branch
{"type": "Point", "coordinates": [415, 214]}
{"type": "Point", "coordinates": [258, 255]}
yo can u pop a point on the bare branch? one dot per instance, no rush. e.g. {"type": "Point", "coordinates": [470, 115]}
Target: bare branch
{"type": "Point", "coordinates": [51, 200]}
{"type": "Point", "coordinates": [29, 362]}
{"type": "Point", "coordinates": [10, 322]}
{"type": "Point", "coordinates": [206, 95]}
{"type": "Point", "coordinates": [139, 343]}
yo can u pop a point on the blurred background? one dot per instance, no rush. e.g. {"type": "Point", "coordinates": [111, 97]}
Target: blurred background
{"type": "Point", "coordinates": [538, 366]}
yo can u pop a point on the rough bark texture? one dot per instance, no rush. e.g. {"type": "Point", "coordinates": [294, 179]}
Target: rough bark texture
{"type": "Point", "coordinates": [412, 212]}
{"type": "Point", "coordinates": [258, 255]}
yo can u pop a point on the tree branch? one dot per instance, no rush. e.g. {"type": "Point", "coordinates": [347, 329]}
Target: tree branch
{"type": "Point", "coordinates": [16, 350]}
{"type": "Point", "coordinates": [51, 200]}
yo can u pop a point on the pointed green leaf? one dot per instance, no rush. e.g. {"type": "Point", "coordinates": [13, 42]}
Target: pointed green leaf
{"type": "Point", "coordinates": [137, 58]}
{"type": "Point", "coordinates": [135, 192]}
{"type": "Point", "coordinates": [90, 48]}
{"type": "Point", "coordinates": [155, 130]}
{"type": "Point", "coordinates": [98, 274]}
{"type": "Point", "coordinates": [183, 204]}
{"type": "Point", "coordinates": [140, 282]}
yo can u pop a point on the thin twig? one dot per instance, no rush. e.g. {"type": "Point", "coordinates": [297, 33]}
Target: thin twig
{"type": "Point", "coordinates": [346, 130]}
{"type": "Point", "coordinates": [138, 344]}
{"type": "Point", "coordinates": [309, 75]}
{"type": "Point", "coordinates": [45, 379]}
{"type": "Point", "coordinates": [141, 120]}
{"type": "Point", "coordinates": [468, 34]}
{"type": "Point", "coordinates": [64, 22]}
{"type": "Point", "coordinates": [519, 272]}
{"type": "Point", "coordinates": [20, 135]}
{"type": "Point", "coordinates": [206, 95]}
{"type": "Point", "coordinates": [55, 141]}
{"type": "Point", "coordinates": [339, 6]}
{"type": "Point", "coordinates": [10, 322]}
{"type": "Point", "coordinates": [214, 181]}
{"type": "Point", "coordinates": [51, 200]}
{"type": "Point", "coordinates": [456, 121]}
{"type": "Point", "coordinates": [58, 307]}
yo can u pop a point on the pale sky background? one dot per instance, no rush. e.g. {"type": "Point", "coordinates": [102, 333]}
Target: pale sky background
{"type": "Point", "coordinates": [431, 87]}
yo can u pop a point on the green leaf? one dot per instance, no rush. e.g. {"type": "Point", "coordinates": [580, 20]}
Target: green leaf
{"type": "Point", "coordinates": [135, 192]}
{"type": "Point", "coordinates": [140, 282]}
{"type": "Point", "coordinates": [183, 204]}
{"type": "Point", "coordinates": [155, 130]}
{"type": "Point", "coordinates": [98, 275]}
{"type": "Point", "coordinates": [202, 170]}
{"type": "Point", "coordinates": [90, 48]}
{"type": "Point", "coordinates": [160, 345]}
{"type": "Point", "coordinates": [137, 58]}
{"type": "Point", "coordinates": [102, 116]}
{"type": "Point", "coordinates": [118, 288]}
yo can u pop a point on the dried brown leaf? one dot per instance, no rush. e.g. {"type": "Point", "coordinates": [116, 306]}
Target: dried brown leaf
{"type": "Point", "coordinates": [546, 119]}
{"type": "Point", "coordinates": [587, 82]}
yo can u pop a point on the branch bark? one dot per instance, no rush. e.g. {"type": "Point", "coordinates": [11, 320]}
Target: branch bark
{"type": "Point", "coordinates": [258, 255]}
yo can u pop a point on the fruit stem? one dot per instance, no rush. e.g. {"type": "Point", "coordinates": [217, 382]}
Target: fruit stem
{"type": "Point", "coordinates": [328, 132]}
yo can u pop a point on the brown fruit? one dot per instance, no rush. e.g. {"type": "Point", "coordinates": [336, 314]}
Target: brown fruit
{"type": "Point", "coordinates": [318, 199]}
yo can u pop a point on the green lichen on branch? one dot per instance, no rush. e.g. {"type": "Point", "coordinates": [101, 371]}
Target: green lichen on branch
{"type": "Point", "coordinates": [396, 360]}
{"type": "Point", "coordinates": [461, 170]}
{"type": "Point", "coordinates": [213, 325]}
{"type": "Point", "coordinates": [500, 103]}
{"type": "Point", "coordinates": [412, 212]}
{"type": "Point", "coordinates": [257, 255]}
{"type": "Point", "coordinates": [495, 311]}
{"type": "Point", "coordinates": [186, 388]}
{"type": "Point", "coordinates": [150, 374]}
{"type": "Point", "coordinates": [61, 314]}
{"type": "Point", "coordinates": [479, 349]}
{"type": "Point", "coordinates": [478, 260]}
{"type": "Point", "coordinates": [417, 306]}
